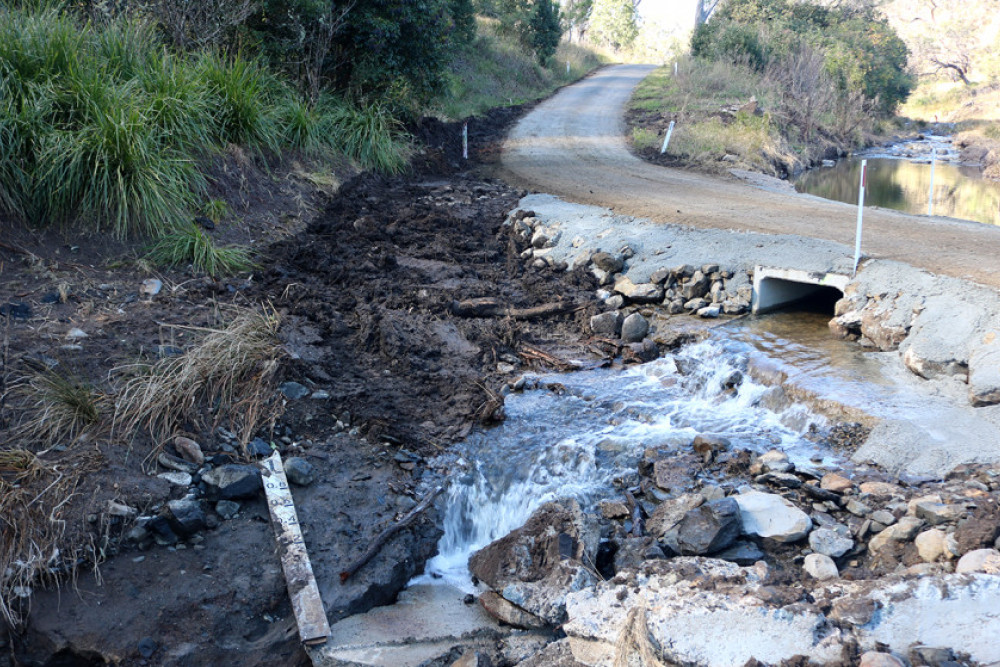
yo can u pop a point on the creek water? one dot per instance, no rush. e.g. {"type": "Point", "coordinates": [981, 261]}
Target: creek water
{"type": "Point", "coordinates": [582, 434]}
{"type": "Point", "coordinates": [899, 177]}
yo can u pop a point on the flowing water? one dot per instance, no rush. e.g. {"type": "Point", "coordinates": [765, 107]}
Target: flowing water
{"type": "Point", "coordinates": [576, 434]}
{"type": "Point", "coordinates": [899, 177]}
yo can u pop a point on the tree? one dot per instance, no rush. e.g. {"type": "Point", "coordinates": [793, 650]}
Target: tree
{"type": "Point", "coordinates": [546, 30]}
{"type": "Point", "coordinates": [463, 17]}
{"type": "Point", "coordinates": [615, 23]}
{"type": "Point", "coordinates": [576, 15]}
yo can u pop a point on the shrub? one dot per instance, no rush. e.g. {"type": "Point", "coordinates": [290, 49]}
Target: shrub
{"type": "Point", "coordinates": [240, 91]}
{"type": "Point", "coordinates": [371, 135]}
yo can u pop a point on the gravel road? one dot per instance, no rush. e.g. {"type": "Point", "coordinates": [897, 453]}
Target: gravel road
{"type": "Point", "coordinates": [572, 145]}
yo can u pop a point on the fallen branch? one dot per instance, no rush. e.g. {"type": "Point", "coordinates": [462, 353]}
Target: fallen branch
{"type": "Point", "coordinates": [635, 509]}
{"type": "Point", "coordinates": [529, 353]}
{"type": "Point", "coordinates": [491, 307]}
{"type": "Point", "coordinates": [387, 534]}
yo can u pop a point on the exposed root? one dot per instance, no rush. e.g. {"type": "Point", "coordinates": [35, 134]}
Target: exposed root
{"type": "Point", "coordinates": [633, 647]}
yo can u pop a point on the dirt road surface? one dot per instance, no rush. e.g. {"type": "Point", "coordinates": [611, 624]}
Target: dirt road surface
{"type": "Point", "coordinates": [573, 146]}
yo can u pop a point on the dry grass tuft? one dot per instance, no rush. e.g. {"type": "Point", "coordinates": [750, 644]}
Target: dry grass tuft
{"type": "Point", "coordinates": [62, 406]}
{"type": "Point", "coordinates": [633, 647]}
{"type": "Point", "coordinates": [229, 374]}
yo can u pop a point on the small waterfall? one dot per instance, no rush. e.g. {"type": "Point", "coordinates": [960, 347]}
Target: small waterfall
{"type": "Point", "coordinates": [574, 433]}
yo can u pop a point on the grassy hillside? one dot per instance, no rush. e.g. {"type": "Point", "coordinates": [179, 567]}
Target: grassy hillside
{"type": "Point", "coordinates": [495, 70]}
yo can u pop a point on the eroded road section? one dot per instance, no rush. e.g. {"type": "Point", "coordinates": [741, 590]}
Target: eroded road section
{"type": "Point", "coordinates": [573, 146]}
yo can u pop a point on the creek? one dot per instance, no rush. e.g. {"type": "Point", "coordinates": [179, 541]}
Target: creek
{"type": "Point", "coordinates": [899, 177]}
{"type": "Point", "coordinates": [582, 434]}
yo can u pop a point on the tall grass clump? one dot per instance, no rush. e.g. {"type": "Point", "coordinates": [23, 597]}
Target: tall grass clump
{"type": "Point", "coordinates": [241, 94]}
{"type": "Point", "coordinates": [61, 406]}
{"type": "Point", "coordinates": [191, 245]}
{"type": "Point", "coordinates": [229, 374]}
{"type": "Point", "coordinates": [371, 135]}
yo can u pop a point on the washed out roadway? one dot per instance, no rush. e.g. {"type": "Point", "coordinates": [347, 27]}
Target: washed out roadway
{"type": "Point", "coordinates": [573, 146]}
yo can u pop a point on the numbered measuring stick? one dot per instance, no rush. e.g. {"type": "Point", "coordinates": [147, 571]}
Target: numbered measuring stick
{"type": "Point", "coordinates": [666, 139]}
{"type": "Point", "coordinates": [465, 141]}
{"type": "Point", "coordinates": [302, 589]}
{"type": "Point", "coordinates": [930, 191]}
{"type": "Point", "coordinates": [861, 208]}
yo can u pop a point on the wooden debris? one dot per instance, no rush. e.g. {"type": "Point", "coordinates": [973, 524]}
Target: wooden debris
{"type": "Point", "coordinates": [529, 353]}
{"type": "Point", "coordinates": [491, 307]}
{"type": "Point", "coordinates": [302, 589]}
{"type": "Point", "coordinates": [387, 534]}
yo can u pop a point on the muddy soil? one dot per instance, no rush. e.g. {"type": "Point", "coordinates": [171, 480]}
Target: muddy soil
{"type": "Point", "coordinates": [365, 293]}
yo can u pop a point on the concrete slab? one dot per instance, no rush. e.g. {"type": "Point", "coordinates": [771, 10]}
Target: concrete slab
{"type": "Point", "coordinates": [425, 622]}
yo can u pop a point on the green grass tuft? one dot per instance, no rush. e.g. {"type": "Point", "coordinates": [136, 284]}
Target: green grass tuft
{"type": "Point", "coordinates": [192, 246]}
{"type": "Point", "coordinates": [372, 136]}
{"type": "Point", "coordinates": [63, 406]}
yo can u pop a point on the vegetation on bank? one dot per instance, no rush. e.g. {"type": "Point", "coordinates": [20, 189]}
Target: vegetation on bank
{"type": "Point", "coordinates": [774, 86]}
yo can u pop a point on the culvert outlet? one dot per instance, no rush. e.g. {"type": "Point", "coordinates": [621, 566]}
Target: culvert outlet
{"type": "Point", "coordinates": [782, 288]}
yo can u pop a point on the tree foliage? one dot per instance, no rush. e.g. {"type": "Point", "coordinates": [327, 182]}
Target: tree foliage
{"type": "Point", "coordinates": [862, 54]}
{"type": "Point", "coordinates": [614, 22]}
{"type": "Point", "coordinates": [546, 30]}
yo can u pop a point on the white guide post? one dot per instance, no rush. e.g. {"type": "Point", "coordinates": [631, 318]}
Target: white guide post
{"type": "Point", "coordinates": [567, 67]}
{"type": "Point", "coordinates": [465, 141]}
{"type": "Point", "coordinates": [302, 589]}
{"type": "Point", "coordinates": [861, 209]}
{"type": "Point", "coordinates": [666, 139]}
{"type": "Point", "coordinates": [675, 69]}
{"type": "Point", "coordinates": [930, 192]}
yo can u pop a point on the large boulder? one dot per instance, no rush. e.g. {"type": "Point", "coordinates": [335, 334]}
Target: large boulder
{"type": "Point", "coordinates": [232, 481]}
{"type": "Point", "coordinates": [537, 565]}
{"type": "Point", "coordinates": [770, 515]}
{"type": "Point", "coordinates": [709, 528]}
{"type": "Point", "coordinates": [634, 328]}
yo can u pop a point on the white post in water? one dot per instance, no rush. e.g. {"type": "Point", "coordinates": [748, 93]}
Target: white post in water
{"type": "Point", "coordinates": [465, 141]}
{"type": "Point", "coordinates": [930, 192]}
{"type": "Point", "coordinates": [861, 208]}
{"type": "Point", "coordinates": [666, 139]}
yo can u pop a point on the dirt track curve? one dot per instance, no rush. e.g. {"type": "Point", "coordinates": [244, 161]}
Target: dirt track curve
{"type": "Point", "coordinates": [573, 146]}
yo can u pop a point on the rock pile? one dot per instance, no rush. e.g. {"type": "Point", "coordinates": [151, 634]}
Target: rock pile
{"type": "Point", "coordinates": [792, 562]}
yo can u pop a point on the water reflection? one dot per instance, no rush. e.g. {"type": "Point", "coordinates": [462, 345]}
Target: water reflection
{"type": "Point", "coordinates": [959, 192]}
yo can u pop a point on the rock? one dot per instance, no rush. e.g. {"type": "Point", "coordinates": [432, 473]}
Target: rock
{"type": "Point", "coordinates": [607, 262]}
{"type": "Point", "coordinates": [634, 328]}
{"type": "Point", "coordinates": [685, 605]}
{"type": "Point", "coordinates": [186, 516]}
{"type": "Point", "coordinates": [820, 567]}
{"type": "Point", "coordinates": [670, 512]}
{"type": "Point", "coordinates": [639, 293]}
{"type": "Point", "coordinates": [177, 478]}
{"type": "Point", "coordinates": [836, 483]}
{"type": "Point", "coordinates": [258, 448]}
{"type": "Point", "coordinates": [775, 460]}
{"type": "Point", "coordinates": [76, 334]}
{"type": "Point", "coordinates": [232, 481]}
{"type": "Point", "coordinates": [832, 542]}
{"type": "Point", "coordinates": [147, 647]}
{"type": "Point", "coordinates": [120, 510]}
{"type": "Point", "coordinates": [933, 657]}
{"type": "Point", "coordinates": [984, 372]}
{"type": "Point", "coordinates": [980, 530]}
{"type": "Point", "coordinates": [883, 517]}
{"type": "Point", "coordinates": [150, 287]}
{"type": "Point", "coordinates": [876, 659]}
{"type": "Point", "coordinates": [189, 450]}
{"type": "Point", "coordinates": [857, 508]}
{"type": "Point", "coordinates": [473, 658]}
{"type": "Point", "coordinates": [980, 560]}
{"type": "Point", "coordinates": [769, 515]}
{"type": "Point", "coordinates": [697, 287]}
{"type": "Point", "coordinates": [880, 489]}
{"type": "Point", "coordinates": [741, 553]}
{"type": "Point", "coordinates": [694, 305]}
{"type": "Point", "coordinates": [293, 391]}
{"type": "Point", "coordinates": [659, 276]}
{"type": "Point", "coordinates": [175, 463]}
{"type": "Point", "coordinates": [903, 531]}
{"type": "Point", "coordinates": [937, 513]}
{"type": "Point", "coordinates": [782, 479]}
{"type": "Point", "coordinates": [507, 612]}
{"type": "Point", "coordinates": [537, 565]}
{"type": "Point", "coordinates": [884, 327]}
{"type": "Point", "coordinates": [634, 551]}
{"type": "Point", "coordinates": [607, 324]}
{"type": "Point", "coordinates": [708, 528]}
{"type": "Point", "coordinates": [613, 509]}
{"type": "Point", "coordinates": [930, 545]}
{"type": "Point", "coordinates": [709, 444]}
{"type": "Point", "coordinates": [227, 509]}
{"type": "Point", "coordinates": [299, 471]}
{"type": "Point", "coordinates": [709, 312]}
{"type": "Point", "coordinates": [641, 353]}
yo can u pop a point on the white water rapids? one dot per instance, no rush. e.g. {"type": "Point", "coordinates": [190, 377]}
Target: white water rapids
{"type": "Point", "coordinates": [577, 432]}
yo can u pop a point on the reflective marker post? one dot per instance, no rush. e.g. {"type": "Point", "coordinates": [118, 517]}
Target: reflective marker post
{"type": "Point", "coordinates": [666, 139]}
{"type": "Point", "coordinates": [930, 192]}
{"type": "Point", "coordinates": [861, 208]}
{"type": "Point", "coordinates": [465, 141]}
